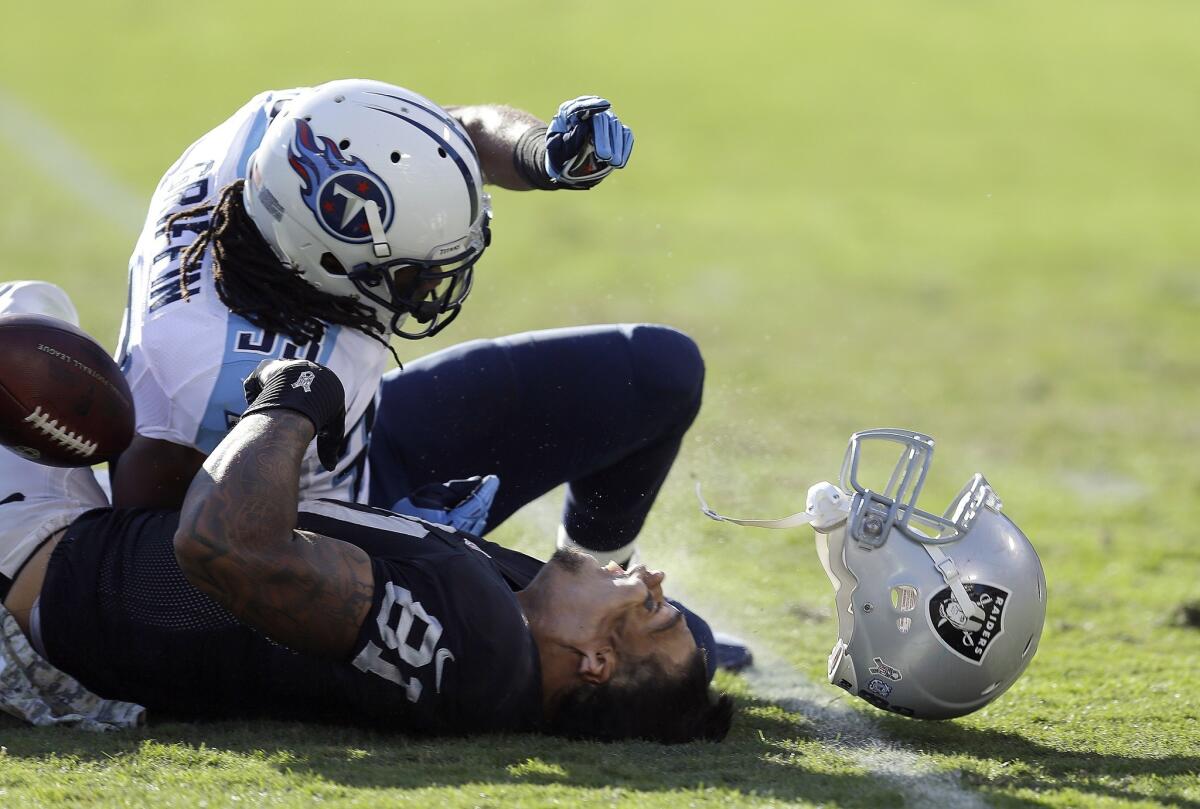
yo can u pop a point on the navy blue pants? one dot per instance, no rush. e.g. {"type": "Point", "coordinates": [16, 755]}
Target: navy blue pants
{"type": "Point", "coordinates": [601, 408]}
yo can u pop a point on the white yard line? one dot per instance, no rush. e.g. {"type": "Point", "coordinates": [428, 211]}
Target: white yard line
{"type": "Point", "coordinates": [858, 737]}
{"type": "Point", "coordinates": [62, 159]}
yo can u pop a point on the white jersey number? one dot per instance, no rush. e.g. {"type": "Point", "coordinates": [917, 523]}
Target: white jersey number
{"type": "Point", "coordinates": [395, 636]}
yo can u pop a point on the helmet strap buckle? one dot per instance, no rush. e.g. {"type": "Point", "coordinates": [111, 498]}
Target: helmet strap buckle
{"type": "Point", "coordinates": [379, 240]}
{"type": "Point", "coordinates": [950, 574]}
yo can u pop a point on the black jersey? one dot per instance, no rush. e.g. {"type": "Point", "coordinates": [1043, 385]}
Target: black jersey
{"type": "Point", "coordinates": [444, 648]}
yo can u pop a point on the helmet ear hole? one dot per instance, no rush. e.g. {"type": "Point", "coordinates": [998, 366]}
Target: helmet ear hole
{"type": "Point", "coordinates": [344, 144]}
{"type": "Point", "coordinates": [904, 598]}
{"type": "Point", "coordinates": [331, 265]}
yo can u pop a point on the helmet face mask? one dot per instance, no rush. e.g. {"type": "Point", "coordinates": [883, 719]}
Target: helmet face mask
{"type": "Point", "coordinates": [937, 615]}
{"type": "Point", "coordinates": [373, 192]}
{"type": "Point", "coordinates": [429, 294]}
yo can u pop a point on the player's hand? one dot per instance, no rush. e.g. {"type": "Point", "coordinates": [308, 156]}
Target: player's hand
{"type": "Point", "coordinates": [308, 388]}
{"type": "Point", "coordinates": [585, 142]}
{"type": "Point", "coordinates": [462, 504]}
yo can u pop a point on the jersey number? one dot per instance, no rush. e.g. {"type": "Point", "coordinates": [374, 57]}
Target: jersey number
{"type": "Point", "coordinates": [416, 653]}
{"type": "Point", "coordinates": [266, 342]}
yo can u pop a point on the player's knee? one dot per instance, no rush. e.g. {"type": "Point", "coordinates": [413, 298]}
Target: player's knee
{"type": "Point", "coordinates": [669, 367]}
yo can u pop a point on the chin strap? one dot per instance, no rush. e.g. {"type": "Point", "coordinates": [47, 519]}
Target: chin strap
{"type": "Point", "coordinates": [379, 240]}
{"type": "Point", "coordinates": [827, 507]}
{"type": "Point", "coordinates": [945, 565]}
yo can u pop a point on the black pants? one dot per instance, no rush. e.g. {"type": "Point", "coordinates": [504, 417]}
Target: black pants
{"type": "Point", "coordinates": [601, 408]}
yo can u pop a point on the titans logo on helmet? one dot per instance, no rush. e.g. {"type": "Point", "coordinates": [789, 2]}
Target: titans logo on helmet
{"type": "Point", "coordinates": [336, 188]}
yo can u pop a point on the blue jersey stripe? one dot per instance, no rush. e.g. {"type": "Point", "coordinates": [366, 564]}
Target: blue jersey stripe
{"type": "Point", "coordinates": [246, 345]}
{"type": "Point", "coordinates": [227, 400]}
{"type": "Point", "coordinates": [327, 344]}
{"type": "Point", "coordinates": [257, 130]}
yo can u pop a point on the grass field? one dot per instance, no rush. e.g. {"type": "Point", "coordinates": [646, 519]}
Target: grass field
{"type": "Point", "coordinates": [977, 220]}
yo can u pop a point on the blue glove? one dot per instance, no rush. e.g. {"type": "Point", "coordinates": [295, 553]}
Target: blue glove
{"type": "Point", "coordinates": [461, 504]}
{"type": "Point", "coordinates": [585, 142]}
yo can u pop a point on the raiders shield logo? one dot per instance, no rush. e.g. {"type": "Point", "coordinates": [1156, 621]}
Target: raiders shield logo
{"type": "Point", "coordinates": [968, 636]}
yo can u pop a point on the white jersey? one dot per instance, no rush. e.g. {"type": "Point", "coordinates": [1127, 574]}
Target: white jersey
{"type": "Point", "coordinates": [35, 500]}
{"type": "Point", "coordinates": [185, 358]}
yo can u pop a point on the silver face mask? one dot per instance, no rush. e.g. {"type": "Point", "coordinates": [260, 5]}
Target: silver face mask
{"type": "Point", "coordinates": [937, 616]}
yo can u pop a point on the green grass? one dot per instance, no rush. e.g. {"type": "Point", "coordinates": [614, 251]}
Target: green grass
{"type": "Point", "coordinates": [975, 220]}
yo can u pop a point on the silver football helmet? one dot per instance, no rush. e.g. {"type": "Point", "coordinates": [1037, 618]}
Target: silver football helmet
{"type": "Point", "coordinates": [373, 191]}
{"type": "Point", "coordinates": [937, 616]}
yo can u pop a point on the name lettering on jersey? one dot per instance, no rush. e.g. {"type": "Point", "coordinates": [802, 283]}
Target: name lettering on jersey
{"type": "Point", "coordinates": [181, 227]}
{"type": "Point", "coordinates": [196, 192]}
{"type": "Point", "coordinates": [165, 286]}
{"type": "Point", "coordinates": [187, 180]}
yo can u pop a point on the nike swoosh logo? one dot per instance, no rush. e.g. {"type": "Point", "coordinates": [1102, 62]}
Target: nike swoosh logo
{"type": "Point", "coordinates": [15, 497]}
{"type": "Point", "coordinates": [442, 656]}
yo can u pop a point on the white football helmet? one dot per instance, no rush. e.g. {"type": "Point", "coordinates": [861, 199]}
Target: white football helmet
{"type": "Point", "coordinates": [937, 616]}
{"type": "Point", "coordinates": [373, 191]}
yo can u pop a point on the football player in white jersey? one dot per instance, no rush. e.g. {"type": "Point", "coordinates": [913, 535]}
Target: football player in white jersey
{"type": "Point", "coordinates": [209, 296]}
{"type": "Point", "coordinates": [317, 223]}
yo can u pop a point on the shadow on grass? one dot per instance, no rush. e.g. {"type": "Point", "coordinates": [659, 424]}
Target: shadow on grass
{"type": "Point", "coordinates": [1048, 767]}
{"type": "Point", "coordinates": [765, 756]}
{"type": "Point", "coordinates": [761, 758]}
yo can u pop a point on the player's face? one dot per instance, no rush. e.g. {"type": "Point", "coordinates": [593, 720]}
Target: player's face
{"type": "Point", "coordinates": [620, 609]}
{"type": "Point", "coordinates": [651, 626]}
{"type": "Point", "coordinates": [413, 288]}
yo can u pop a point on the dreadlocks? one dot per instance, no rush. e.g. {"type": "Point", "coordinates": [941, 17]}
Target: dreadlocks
{"type": "Point", "coordinates": [253, 283]}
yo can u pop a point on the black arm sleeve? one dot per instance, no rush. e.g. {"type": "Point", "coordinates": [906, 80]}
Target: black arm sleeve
{"type": "Point", "coordinates": [529, 159]}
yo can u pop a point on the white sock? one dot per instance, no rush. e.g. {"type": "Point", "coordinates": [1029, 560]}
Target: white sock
{"type": "Point", "coordinates": [616, 554]}
{"type": "Point", "coordinates": [37, 298]}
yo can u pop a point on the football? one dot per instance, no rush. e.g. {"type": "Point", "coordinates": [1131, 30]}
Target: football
{"type": "Point", "coordinates": [63, 401]}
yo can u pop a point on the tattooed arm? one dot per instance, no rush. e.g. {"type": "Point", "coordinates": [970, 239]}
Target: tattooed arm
{"type": "Point", "coordinates": [237, 541]}
{"type": "Point", "coordinates": [496, 131]}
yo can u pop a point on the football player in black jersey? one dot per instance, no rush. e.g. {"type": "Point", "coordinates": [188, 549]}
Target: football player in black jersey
{"type": "Point", "coordinates": [245, 603]}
